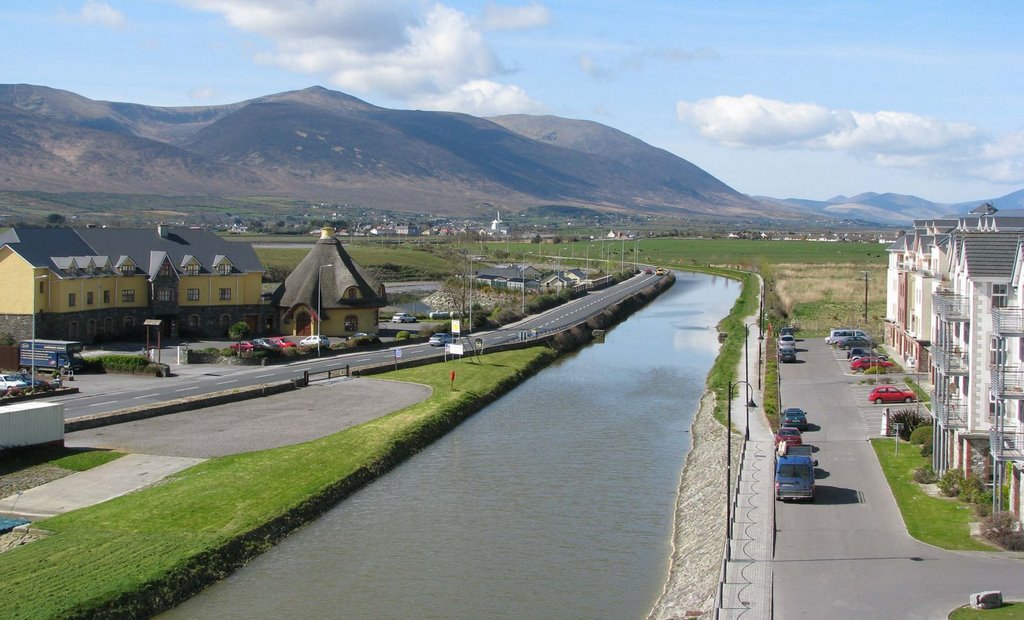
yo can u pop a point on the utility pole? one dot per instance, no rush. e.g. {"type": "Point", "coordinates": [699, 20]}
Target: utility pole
{"type": "Point", "coordinates": [865, 274]}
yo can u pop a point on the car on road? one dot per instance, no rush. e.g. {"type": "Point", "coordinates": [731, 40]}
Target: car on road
{"type": "Point", "coordinates": [789, 434]}
{"type": "Point", "coordinates": [282, 342]}
{"type": "Point", "coordinates": [788, 331]}
{"type": "Point", "coordinates": [891, 394]}
{"type": "Point", "coordinates": [787, 342]}
{"type": "Point", "coordinates": [244, 345]}
{"type": "Point", "coordinates": [403, 317]}
{"type": "Point", "coordinates": [795, 417]}
{"type": "Point", "coordinates": [439, 340]}
{"type": "Point", "coordinates": [787, 355]}
{"type": "Point", "coordinates": [869, 361]}
{"type": "Point", "coordinates": [314, 340]}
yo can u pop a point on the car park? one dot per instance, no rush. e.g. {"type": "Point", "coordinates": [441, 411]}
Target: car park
{"type": "Point", "coordinates": [891, 394]}
{"type": "Point", "coordinates": [789, 434]}
{"type": "Point", "coordinates": [403, 317]}
{"type": "Point", "coordinates": [314, 340]}
{"type": "Point", "coordinates": [12, 381]}
{"type": "Point", "coordinates": [856, 352]}
{"type": "Point", "coordinates": [439, 340]}
{"type": "Point", "coordinates": [787, 342]}
{"type": "Point", "coordinates": [838, 332]}
{"type": "Point", "coordinates": [795, 417]}
{"type": "Point", "coordinates": [869, 361]}
{"type": "Point", "coordinates": [265, 344]}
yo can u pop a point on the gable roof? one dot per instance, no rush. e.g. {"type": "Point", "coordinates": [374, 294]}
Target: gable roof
{"type": "Point", "coordinates": [989, 255]}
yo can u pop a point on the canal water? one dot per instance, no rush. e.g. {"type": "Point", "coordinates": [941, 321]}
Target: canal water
{"type": "Point", "coordinates": [554, 502]}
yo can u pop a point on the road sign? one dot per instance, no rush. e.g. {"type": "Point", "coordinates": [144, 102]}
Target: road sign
{"type": "Point", "coordinates": [456, 327]}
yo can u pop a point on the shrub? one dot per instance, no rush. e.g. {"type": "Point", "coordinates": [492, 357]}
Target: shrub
{"type": "Point", "coordinates": [909, 420]}
{"type": "Point", "coordinates": [1003, 529]}
{"type": "Point", "coordinates": [121, 363]}
{"type": "Point", "coordinates": [925, 475]}
{"type": "Point", "coordinates": [972, 490]}
{"type": "Point", "coordinates": [402, 335]}
{"type": "Point", "coordinates": [926, 450]}
{"type": "Point", "coordinates": [922, 435]}
{"type": "Point", "coordinates": [951, 482]}
{"type": "Point", "coordinates": [875, 370]}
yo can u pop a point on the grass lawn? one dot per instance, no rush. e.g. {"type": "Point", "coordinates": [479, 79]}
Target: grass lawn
{"type": "Point", "coordinates": [937, 521]}
{"type": "Point", "coordinates": [1008, 611]}
{"type": "Point", "coordinates": [103, 551]}
{"type": "Point", "coordinates": [391, 262]}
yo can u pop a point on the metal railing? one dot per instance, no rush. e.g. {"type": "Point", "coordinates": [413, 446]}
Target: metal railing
{"type": "Point", "coordinates": [1007, 443]}
{"type": "Point", "coordinates": [1007, 383]}
{"type": "Point", "coordinates": [950, 360]}
{"type": "Point", "coordinates": [950, 306]}
{"type": "Point", "coordinates": [1008, 321]}
{"type": "Point", "coordinates": [951, 412]}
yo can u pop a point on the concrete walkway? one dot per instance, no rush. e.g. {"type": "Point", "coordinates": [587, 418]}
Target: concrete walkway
{"type": "Point", "coordinates": [746, 587]}
{"type": "Point", "coordinates": [81, 489]}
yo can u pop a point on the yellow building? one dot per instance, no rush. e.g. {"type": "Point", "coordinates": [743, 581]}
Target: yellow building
{"type": "Point", "coordinates": [102, 283]}
{"type": "Point", "coordinates": [329, 294]}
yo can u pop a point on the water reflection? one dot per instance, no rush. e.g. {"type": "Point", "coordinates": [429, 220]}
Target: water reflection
{"type": "Point", "coordinates": [554, 502]}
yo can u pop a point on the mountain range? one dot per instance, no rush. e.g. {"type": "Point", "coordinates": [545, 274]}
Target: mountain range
{"type": "Point", "coordinates": [321, 145]}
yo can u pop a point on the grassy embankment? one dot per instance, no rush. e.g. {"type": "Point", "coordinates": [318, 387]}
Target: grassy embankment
{"type": "Point", "coordinates": [135, 554]}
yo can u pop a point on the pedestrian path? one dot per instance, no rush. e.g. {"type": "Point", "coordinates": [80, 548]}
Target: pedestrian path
{"type": "Point", "coordinates": [746, 587]}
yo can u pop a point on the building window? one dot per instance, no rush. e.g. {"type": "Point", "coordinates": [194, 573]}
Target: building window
{"type": "Point", "coordinates": [129, 321]}
{"type": "Point", "coordinates": [165, 271]}
{"type": "Point", "coordinates": [90, 328]}
{"type": "Point", "coordinates": [224, 269]}
{"type": "Point", "coordinates": [128, 295]}
{"type": "Point", "coordinates": [996, 352]}
{"type": "Point", "coordinates": [225, 294]}
{"type": "Point", "coordinates": [192, 269]}
{"type": "Point", "coordinates": [351, 293]}
{"type": "Point", "coordinates": [999, 295]}
{"type": "Point", "coordinates": [193, 321]}
{"type": "Point", "coordinates": [88, 298]}
{"type": "Point", "coordinates": [71, 300]}
{"type": "Point", "coordinates": [225, 322]}
{"type": "Point", "coordinates": [42, 287]}
{"type": "Point", "coordinates": [73, 330]}
{"type": "Point", "coordinates": [163, 294]}
{"type": "Point", "coordinates": [193, 294]}
{"type": "Point", "coordinates": [106, 296]}
{"type": "Point", "coordinates": [127, 269]}
{"type": "Point", "coordinates": [108, 326]}
{"type": "Point", "coordinates": [351, 323]}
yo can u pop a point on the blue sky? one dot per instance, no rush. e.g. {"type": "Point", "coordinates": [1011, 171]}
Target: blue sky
{"type": "Point", "coordinates": [785, 99]}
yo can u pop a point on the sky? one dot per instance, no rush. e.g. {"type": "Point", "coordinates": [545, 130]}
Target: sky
{"type": "Point", "coordinates": [774, 98]}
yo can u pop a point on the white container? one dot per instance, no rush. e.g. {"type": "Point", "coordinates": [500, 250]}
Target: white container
{"type": "Point", "coordinates": [31, 423]}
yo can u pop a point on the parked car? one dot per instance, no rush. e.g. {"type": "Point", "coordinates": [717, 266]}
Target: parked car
{"type": "Point", "coordinates": [265, 343]}
{"type": "Point", "coordinates": [311, 341]}
{"type": "Point", "coordinates": [794, 476]}
{"type": "Point", "coordinates": [856, 352]}
{"type": "Point", "coordinates": [787, 355]}
{"type": "Point", "coordinates": [850, 342]}
{"type": "Point", "coordinates": [12, 381]}
{"type": "Point", "coordinates": [403, 317]}
{"type": "Point", "coordinates": [788, 331]}
{"type": "Point", "coordinates": [439, 340]}
{"type": "Point", "coordinates": [791, 435]}
{"type": "Point", "coordinates": [838, 332]}
{"type": "Point", "coordinates": [869, 361]}
{"type": "Point", "coordinates": [891, 394]}
{"type": "Point", "coordinates": [245, 345]}
{"type": "Point", "coordinates": [787, 342]}
{"type": "Point", "coordinates": [795, 417]}
{"type": "Point", "coordinates": [282, 342]}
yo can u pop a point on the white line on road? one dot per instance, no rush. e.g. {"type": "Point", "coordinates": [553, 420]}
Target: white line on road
{"type": "Point", "coordinates": [109, 402]}
{"type": "Point", "coordinates": [223, 382]}
{"type": "Point", "coordinates": [269, 374]}
{"type": "Point", "coordinates": [194, 387]}
{"type": "Point", "coordinates": [146, 396]}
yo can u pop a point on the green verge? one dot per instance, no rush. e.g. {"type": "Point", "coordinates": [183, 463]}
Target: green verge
{"type": "Point", "coordinates": [136, 555]}
{"type": "Point", "coordinates": [1009, 611]}
{"type": "Point", "coordinates": [933, 520]}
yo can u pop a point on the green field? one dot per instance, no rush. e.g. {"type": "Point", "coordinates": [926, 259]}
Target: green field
{"type": "Point", "coordinates": [391, 263]}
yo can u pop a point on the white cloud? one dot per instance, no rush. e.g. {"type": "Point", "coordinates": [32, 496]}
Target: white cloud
{"type": "Point", "coordinates": [102, 14]}
{"type": "Point", "coordinates": [483, 98]}
{"type": "Point", "coordinates": [889, 139]}
{"type": "Point", "coordinates": [504, 17]}
{"type": "Point", "coordinates": [406, 50]}
{"type": "Point", "coordinates": [203, 93]}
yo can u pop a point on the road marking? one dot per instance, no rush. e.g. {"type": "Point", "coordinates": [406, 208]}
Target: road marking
{"type": "Point", "coordinates": [145, 396]}
{"type": "Point", "coordinates": [269, 374]}
{"type": "Point", "coordinates": [109, 402]}
{"type": "Point", "coordinates": [363, 359]}
{"type": "Point", "coordinates": [223, 382]}
{"type": "Point", "coordinates": [195, 387]}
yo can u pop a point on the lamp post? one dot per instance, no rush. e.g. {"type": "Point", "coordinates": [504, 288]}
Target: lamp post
{"type": "Point", "coordinates": [728, 459]}
{"type": "Point", "coordinates": [522, 279]}
{"type": "Point", "coordinates": [319, 295]}
{"type": "Point", "coordinates": [865, 274]}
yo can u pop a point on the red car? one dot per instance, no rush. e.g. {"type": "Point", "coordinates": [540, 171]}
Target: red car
{"type": "Point", "coordinates": [244, 345]}
{"type": "Point", "coordinates": [281, 341]}
{"type": "Point", "coordinates": [790, 435]}
{"type": "Point", "coordinates": [891, 394]}
{"type": "Point", "coordinates": [863, 363]}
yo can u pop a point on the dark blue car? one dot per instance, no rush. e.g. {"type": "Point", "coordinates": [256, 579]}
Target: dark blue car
{"type": "Point", "coordinates": [795, 417]}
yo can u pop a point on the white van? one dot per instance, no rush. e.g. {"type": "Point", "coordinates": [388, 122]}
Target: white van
{"type": "Point", "coordinates": [838, 333]}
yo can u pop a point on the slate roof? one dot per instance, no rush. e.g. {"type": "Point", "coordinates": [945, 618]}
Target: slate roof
{"type": "Point", "coordinates": [989, 255]}
{"type": "Point", "coordinates": [301, 286]}
{"type": "Point", "coordinates": [67, 251]}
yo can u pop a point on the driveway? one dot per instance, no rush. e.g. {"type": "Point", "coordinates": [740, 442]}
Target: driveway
{"type": "Point", "coordinates": [848, 554]}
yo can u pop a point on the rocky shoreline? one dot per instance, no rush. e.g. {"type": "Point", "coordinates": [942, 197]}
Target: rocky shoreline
{"type": "Point", "coordinates": [699, 530]}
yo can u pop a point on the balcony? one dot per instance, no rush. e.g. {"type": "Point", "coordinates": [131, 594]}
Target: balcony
{"type": "Point", "coordinates": [949, 361]}
{"type": "Point", "coordinates": [951, 412]}
{"type": "Point", "coordinates": [1008, 383]}
{"type": "Point", "coordinates": [1008, 322]}
{"type": "Point", "coordinates": [1007, 444]}
{"type": "Point", "coordinates": [950, 306]}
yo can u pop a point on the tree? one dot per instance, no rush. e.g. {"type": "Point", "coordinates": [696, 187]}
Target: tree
{"type": "Point", "coordinates": [55, 218]}
{"type": "Point", "coordinates": [239, 331]}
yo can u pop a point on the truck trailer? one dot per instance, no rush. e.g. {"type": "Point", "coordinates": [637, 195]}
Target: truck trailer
{"type": "Point", "coordinates": [51, 355]}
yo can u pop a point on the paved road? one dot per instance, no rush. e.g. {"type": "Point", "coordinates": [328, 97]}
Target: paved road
{"type": "Point", "coordinates": [848, 554]}
{"type": "Point", "coordinates": [96, 395]}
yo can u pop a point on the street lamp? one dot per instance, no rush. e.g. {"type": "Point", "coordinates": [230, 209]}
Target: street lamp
{"type": "Point", "coordinates": [728, 457]}
{"type": "Point", "coordinates": [319, 295]}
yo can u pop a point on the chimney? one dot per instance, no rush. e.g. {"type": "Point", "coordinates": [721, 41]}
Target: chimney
{"type": "Point", "coordinates": [327, 232]}
{"type": "Point", "coordinates": [162, 230]}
